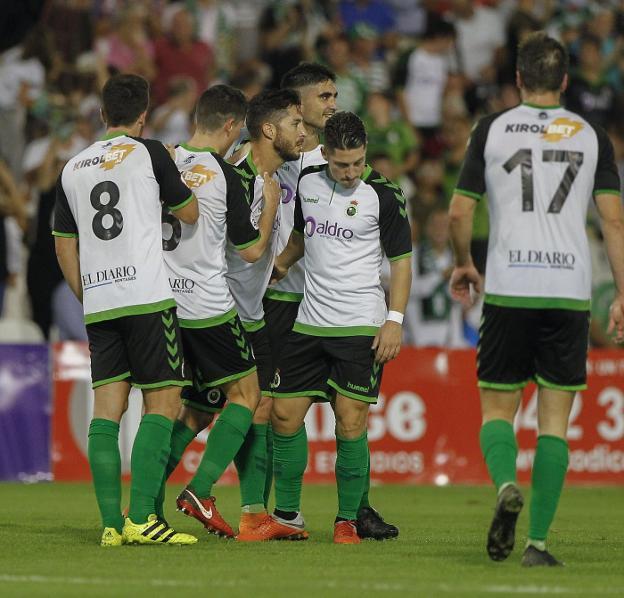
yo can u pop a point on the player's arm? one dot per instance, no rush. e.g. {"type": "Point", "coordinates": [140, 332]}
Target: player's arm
{"type": "Point", "coordinates": [65, 233]}
{"type": "Point", "coordinates": [396, 239]}
{"type": "Point", "coordinates": [271, 193]}
{"type": "Point", "coordinates": [609, 204]}
{"type": "Point", "coordinates": [470, 189]}
{"type": "Point", "coordinates": [612, 220]}
{"type": "Point", "coordinates": [67, 255]}
{"type": "Point", "coordinates": [176, 196]}
{"type": "Point", "coordinates": [295, 247]}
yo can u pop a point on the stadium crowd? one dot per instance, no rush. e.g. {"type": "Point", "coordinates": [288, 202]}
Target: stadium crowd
{"type": "Point", "coordinates": [419, 72]}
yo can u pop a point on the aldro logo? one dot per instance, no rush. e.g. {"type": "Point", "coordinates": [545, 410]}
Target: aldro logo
{"type": "Point", "coordinates": [197, 176]}
{"type": "Point", "coordinates": [562, 128]}
{"type": "Point", "coordinates": [116, 155]}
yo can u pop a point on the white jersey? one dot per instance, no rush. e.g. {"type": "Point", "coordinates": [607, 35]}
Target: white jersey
{"type": "Point", "coordinates": [539, 168]}
{"type": "Point", "coordinates": [248, 282]}
{"type": "Point", "coordinates": [109, 196]}
{"type": "Point", "coordinates": [195, 254]}
{"type": "Point", "coordinates": [346, 232]}
{"type": "Point", "coordinates": [290, 288]}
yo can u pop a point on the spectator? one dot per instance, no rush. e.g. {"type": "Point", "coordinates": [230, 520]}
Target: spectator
{"type": "Point", "coordinates": [389, 135]}
{"type": "Point", "coordinates": [432, 319]}
{"type": "Point", "coordinates": [422, 78]}
{"type": "Point", "coordinates": [128, 48]}
{"type": "Point", "coordinates": [351, 89]}
{"type": "Point", "coordinates": [522, 22]}
{"type": "Point", "coordinates": [366, 65]}
{"type": "Point", "coordinates": [430, 194]}
{"type": "Point", "coordinates": [589, 93]}
{"type": "Point", "coordinates": [171, 121]}
{"type": "Point", "coordinates": [180, 54]}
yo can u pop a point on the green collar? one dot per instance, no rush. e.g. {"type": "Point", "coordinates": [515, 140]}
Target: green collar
{"type": "Point", "coordinates": [192, 148]}
{"type": "Point", "coordinates": [113, 135]}
{"type": "Point", "coordinates": [251, 163]}
{"type": "Point", "coordinates": [553, 107]}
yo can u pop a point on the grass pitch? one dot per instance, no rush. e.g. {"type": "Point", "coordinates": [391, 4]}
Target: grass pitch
{"type": "Point", "coordinates": [49, 537]}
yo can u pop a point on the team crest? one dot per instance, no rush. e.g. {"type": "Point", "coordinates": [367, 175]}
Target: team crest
{"type": "Point", "coordinates": [352, 208]}
{"type": "Point", "coordinates": [116, 155]}
{"type": "Point", "coordinates": [562, 128]}
{"type": "Point", "coordinates": [197, 176]}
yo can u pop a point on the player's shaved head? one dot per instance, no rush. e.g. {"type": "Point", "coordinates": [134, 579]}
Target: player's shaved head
{"type": "Point", "coordinates": [124, 99]}
{"type": "Point", "coordinates": [542, 63]}
{"type": "Point", "coordinates": [217, 105]}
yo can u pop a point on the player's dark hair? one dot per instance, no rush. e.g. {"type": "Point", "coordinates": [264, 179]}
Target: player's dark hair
{"type": "Point", "coordinates": [269, 107]}
{"type": "Point", "coordinates": [218, 104]}
{"type": "Point", "coordinates": [542, 62]}
{"type": "Point", "coordinates": [124, 98]}
{"type": "Point", "coordinates": [344, 131]}
{"type": "Point", "coordinates": [306, 73]}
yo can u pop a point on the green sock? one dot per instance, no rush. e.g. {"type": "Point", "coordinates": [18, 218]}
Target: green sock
{"type": "Point", "coordinates": [351, 465]}
{"type": "Point", "coordinates": [150, 454]}
{"type": "Point", "coordinates": [500, 449]}
{"type": "Point", "coordinates": [549, 470]}
{"type": "Point", "coordinates": [251, 464]}
{"type": "Point", "coordinates": [365, 502]}
{"type": "Point", "coordinates": [290, 458]}
{"type": "Point", "coordinates": [181, 437]}
{"type": "Point", "coordinates": [268, 482]}
{"type": "Point", "coordinates": [224, 441]}
{"type": "Point", "coordinates": [105, 462]}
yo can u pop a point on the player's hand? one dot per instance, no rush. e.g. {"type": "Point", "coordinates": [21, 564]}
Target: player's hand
{"type": "Point", "coordinates": [278, 273]}
{"type": "Point", "coordinates": [271, 190]}
{"type": "Point", "coordinates": [387, 343]}
{"type": "Point", "coordinates": [616, 319]}
{"type": "Point", "coordinates": [463, 279]}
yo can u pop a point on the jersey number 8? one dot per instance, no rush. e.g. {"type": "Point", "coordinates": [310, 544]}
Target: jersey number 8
{"type": "Point", "coordinates": [107, 209]}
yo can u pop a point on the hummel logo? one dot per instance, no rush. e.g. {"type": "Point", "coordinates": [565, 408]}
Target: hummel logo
{"type": "Point", "coordinates": [189, 159]}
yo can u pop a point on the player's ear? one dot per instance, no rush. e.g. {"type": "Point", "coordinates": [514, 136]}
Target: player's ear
{"type": "Point", "coordinates": [103, 116]}
{"type": "Point", "coordinates": [564, 83]}
{"type": "Point", "coordinates": [269, 130]}
{"type": "Point", "coordinates": [142, 118]}
{"type": "Point", "coordinates": [324, 153]}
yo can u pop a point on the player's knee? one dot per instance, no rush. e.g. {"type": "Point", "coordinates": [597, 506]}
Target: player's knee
{"type": "Point", "coordinates": [247, 396]}
{"type": "Point", "coordinates": [194, 419]}
{"type": "Point", "coordinates": [262, 414]}
{"type": "Point", "coordinates": [351, 419]}
{"type": "Point", "coordinates": [283, 418]}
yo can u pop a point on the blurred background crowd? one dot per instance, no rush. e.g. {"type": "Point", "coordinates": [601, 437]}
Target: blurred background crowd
{"type": "Point", "coordinates": [418, 71]}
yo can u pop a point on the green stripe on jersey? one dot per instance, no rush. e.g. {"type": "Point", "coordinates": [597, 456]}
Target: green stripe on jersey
{"type": "Point", "coordinates": [335, 330]}
{"type": "Point", "coordinates": [538, 302]}
{"type": "Point", "coordinates": [249, 243]}
{"type": "Point", "coordinates": [129, 310]}
{"type": "Point", "coordinates": [186, 202]}
{"type": "Point", "coordinates": [276, 295]}
{"type": "Point", "coordinates": [466, 193]}
{"type": "Point", "coordinates": [56, 233]}
{"type": "Point", "coordinates": [607, 192]}
{"type": "Point", "coordinates": [208, 322]}
{"type": "Point", "coordinates": [254, 326]}
{"type": "Point", "coordinates": [192, 148]}
{"type": "Point", "coordinates": [400, 257]}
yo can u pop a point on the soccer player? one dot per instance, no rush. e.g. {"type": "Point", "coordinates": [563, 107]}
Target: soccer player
{"type": "Point", "coordinates": [108, 201]}
{"type": "Point", "coordinates": [539, 165]}
{"type": "Point", "coordinates": [215, 344]}
{"type": "Point", "coordinates": [316, 86]}
{"type": "Point", "coordinates": [348, 214]}
{"type": "Point", "coordinates": [275, 124]}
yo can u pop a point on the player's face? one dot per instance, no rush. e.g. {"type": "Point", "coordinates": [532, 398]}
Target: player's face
{"type": "Point", "coordinates": [318, 103]}
{"type": "Point", "coordinates": [346, 166]}
{"type": "Point", "coordinates": [290, 136]}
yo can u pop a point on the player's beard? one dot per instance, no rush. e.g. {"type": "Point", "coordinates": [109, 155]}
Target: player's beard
{"type": "Point", "coordinates": [286, 151]}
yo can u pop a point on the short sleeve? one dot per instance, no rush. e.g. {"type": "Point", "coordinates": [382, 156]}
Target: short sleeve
{"type": "Point", "coordinates": [607, 178]}
{"type": "Point", "coordinates": [240, 230]}
{"type": "Point", "coordinates": [173, 192]}
{"type": "Point", "coordinates": [471, 180]}
{"type": "Point", "coordinates": [394, 228]}
{"type": "Point", "coordinates": [64, 221]}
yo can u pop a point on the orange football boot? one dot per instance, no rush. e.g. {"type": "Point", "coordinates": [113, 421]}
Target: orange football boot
{"type": "Point", "coordinates": [275, 528]}
{"type": "Point", "coordinates": [345, 532]}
